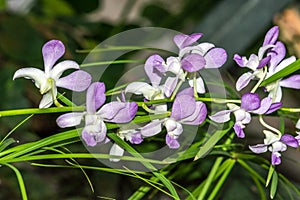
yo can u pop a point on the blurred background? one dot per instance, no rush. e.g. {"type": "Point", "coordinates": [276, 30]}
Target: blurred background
{"type": "Point", "coordinates": [25, 25]}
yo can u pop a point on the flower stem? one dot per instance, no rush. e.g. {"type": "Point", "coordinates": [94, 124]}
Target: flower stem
{"type": "Point", "coordinates": [260, 80]}
{"type": "Point", "coordinates": [290, 109]}
{"type": "Point", "coordinates": [261, 120]}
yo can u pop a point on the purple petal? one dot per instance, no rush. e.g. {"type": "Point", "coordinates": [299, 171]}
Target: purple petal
{"type": "Point", "coordinates": [52, 51]}
{"type": "Point", "coordinates": [95, 97]}
{"type": "Point", "coordinates": [93, 134]}
{"type": "Point", "coordinates": [187, 91]}
{"type": "Point", "coordinates": [77, 81]}
{"type": "Point", "coordinates": [198, 116]}
{"type": "Point", "coordinates": [116, 150]}
{"type": "Point", "coordinates": [221, 116]}
{"type": "Point", "coordinates": [182, 40]}
{"type": "Point", "coordinates": [259, 148]}
{"type": "Point", "coordinates": [215, 58]}
{"type": "Point", "coordinates": [277, 54]}
{"type": "Point", "coordinates": [271, 36]}
{"type": "Point", "coordinates": [291, 82]}
{"type": "Point", "coordinates": [263, 62]}
{"type": "Point", "coordinates": [275, 158]}
{"type": "Point", "coordinates": [152, 66]}
{"type": "Point", "coordinates": [193, 62]}
{"type": "Point", "coordinates": [69, 119]}
{"type": "Point", "coordinates": [244, 80]}
{"type": "Point", "coordinates": [265, 105]}
{"type": "Point", "coordinates": [151, 128]}
{"type": "Point", "coordinates": [170, 85]}
{"type": "Point", "coordinates": [239, 131]}
{"type": "Point", "coordinates": [183, 107]}
{"type": "Point", "coordinates": [136, 138]}
{"type": "Point", "coordinates": [289, 140]}
{"type": "Point", "coordinates": [250, 101]}
{"type": "Point", "coordinates": [58, 69]}
{"type": "Point", "coordinates": [171, 142]}
{"type": "Point", "coordinates": [241, 61]}
{"type": "Point", "coordinates": [274, 107]}
{"type": "Point", "coordinates": [118, 112]}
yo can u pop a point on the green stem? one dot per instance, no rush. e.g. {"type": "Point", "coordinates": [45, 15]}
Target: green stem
{"type": "Point", "coordinates": [28, 111]}
{"type": "Point", "coordinates": [260, 80]}
{"type": "Point", "coordinates": [290, 109]}
{"type": "Point", "coordinates": [261, 120]}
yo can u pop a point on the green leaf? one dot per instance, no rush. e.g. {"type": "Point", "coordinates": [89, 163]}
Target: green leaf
{"type": "Point", "coordinates": [274, 185]}
{"type": "Point", "coordinates": [6, 143]}
{"type": "Point", "coordinates": [212, 141]}
{"type": "Point", "coordinates": [282, 73]}
{"type": "Point", "coordinates": [271, 171]}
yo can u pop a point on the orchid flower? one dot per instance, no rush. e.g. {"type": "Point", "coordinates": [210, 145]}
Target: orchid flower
{"type": "Point", "coordinates": [49, 79]}
{"type": "Point", "coordinates": [185, 110]}
{"type": "Point", "coordinates": [275, 144]}
{"type": "Point", "coordinates": [250, 103]}
{"type": "Point", "coordinates": [95, 129]}
{"type": "Point", "coordinates": [257, 62]}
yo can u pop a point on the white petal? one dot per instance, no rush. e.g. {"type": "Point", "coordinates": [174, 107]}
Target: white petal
{"type": "Point", "coordinates": [37, 75]}
{"type": "Point", "coordinates": [47, 99]}
{"type": "Point", "coordinates": [286, 62]}
{"type": "Point", "coordinates": [199, 85]}
{"type": "Point", "coordinates": [58, 69]}
{"type": "Point", "coordinates": [270, 137]}
{"type": "Point", "coordinates": [145, 89]}
{"type": "Point", "coordinates": [116, 150]}
{"type": "Point", "coordinates": [69, 119]}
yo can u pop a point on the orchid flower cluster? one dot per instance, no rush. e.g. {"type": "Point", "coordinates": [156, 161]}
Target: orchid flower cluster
{"type": "Point", "coordinates": [167, 78]}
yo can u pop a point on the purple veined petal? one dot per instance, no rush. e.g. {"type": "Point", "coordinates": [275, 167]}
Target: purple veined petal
{"type": "Point", "coordinates": [241, 61]}
{"type": "Point", "coordinates": [275, 158]}
{"type": "Point", "coordinates": [250, 101]}
{"type": "Point", "coordinates": [141, 88]}
{"type": "Point", "coordinates": [274, 107]}
{"type": "Point", "coordinates": [37, 75]}
{"type": "Point", "coordinates": [244, 80]}
{"type": "Point", "coordinates": [183, 107]}
{"type": "Point", "coordinates": [153, 69]}
{"type": "Point", "coordinates": [286, 62]}
{"type": "Point", "coordinates": [291, 82]}
{"type": "Point", "coordinates": [52, 51]}
{"type": "Point", "coordinates": [116, 150]}
{"type": "Point", "coordinates": [187, 91]}
{"type": "Point", "coordinates": [264, 62]}
{"type": "Point", "coordinates": [271, 36]}
{"type": "Point", "coordinates": [199, 85]}
{"type": "Point", "coordinates": [193, 62]}
{"type": "Point", "coordinates": [58, 69]}
{"type": "Point", "coordinates": [95, 97]}
{"type": "Point", "coordinates": [118, 112]}
{"type": "Point", "coordinates": [93, 134]}
{"type": "Point", "coordinates": [265, 105]}
{"type": "Point", "coordinates": [239, 130]}
{"type": "Point", "coordinates": [259, 148]}
{"type": "Point", "coordinates": [215, 58]}
{"type": "Point", "coordinates": [69, 119]}
{"type": "Point", "coordinates": [198, 116]}
{"type": "Point", "coordinates": [47, 99]}
{"type": "Point", "coordinates": [182, 40]}
{"type": "Point", "coordinates": [173, 127]}
{"type": "Point", "coordinates": [77, 81]}
{"type": "Point", "coordinates": [170, 85]}
{"type": "Point", "coordinates": [221, 116]}
{"type": "Point", "coordinates": [289, 140]}
{"type": "Point", "coordinates": [277, 54]}
{"type": "Point", "coordinates": [136, 138]}
{"type": "Point", "coordinates": [152, 128]}
{"type": "Point", "coordinates": [171, 142]}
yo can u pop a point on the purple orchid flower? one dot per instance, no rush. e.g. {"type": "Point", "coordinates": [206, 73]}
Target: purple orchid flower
{"type": "Point", "coordinates": [185, 110]}
{"type": "Point", "coordinates": [153, 68]}
{"type": "Point", "coordinates": [132, 135]}
{"type": "Point", "coordinates": [277, 64]}
{"type": "Point", "coordinates": [49, 79]}
{"type": "Point", "coordinates": [257, 62]}
{"type": "Point", "coordinates": [250, 103]}
{"type": "Point", "coordinates": [275, 144]}
{"type": "Point", "coordinates": [95, 129]}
